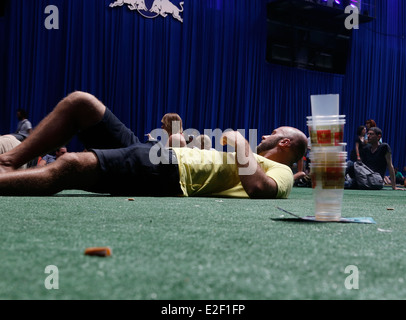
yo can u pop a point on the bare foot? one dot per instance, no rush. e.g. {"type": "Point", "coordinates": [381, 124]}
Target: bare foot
{"type": "Point", "coordinates": [4, 169]}
{"type": "Point", "coordinates": [5, 166]}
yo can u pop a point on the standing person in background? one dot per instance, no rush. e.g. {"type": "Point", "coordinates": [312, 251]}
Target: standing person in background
{"type": "Point", "coordinates": [360, 142]}
{"type": "Point", "coordinates": [370, 123]}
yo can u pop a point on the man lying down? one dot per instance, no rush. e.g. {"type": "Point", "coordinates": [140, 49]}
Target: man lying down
{"type": "Point", "coordinates": [116, 162]}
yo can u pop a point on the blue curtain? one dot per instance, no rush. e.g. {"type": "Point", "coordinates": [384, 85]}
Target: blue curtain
{"type": "Point", "coordinates": [375, 82]}
{"type": "Point", "coordinates": [211, 69]}
{"type": "Point", "coordinates": [2, 67]}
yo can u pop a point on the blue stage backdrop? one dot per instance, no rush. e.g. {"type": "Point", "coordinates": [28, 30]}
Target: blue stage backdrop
{"type": "Point", "coordinates": [3, 119]}
{"type": "Point", "coordinates": [211, 68]}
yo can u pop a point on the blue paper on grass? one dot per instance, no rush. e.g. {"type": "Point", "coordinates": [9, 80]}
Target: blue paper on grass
{"type": "Point", "coordinates": [366, 220]}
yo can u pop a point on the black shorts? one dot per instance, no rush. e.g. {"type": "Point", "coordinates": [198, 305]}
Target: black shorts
{"type": "Point", "coordinates": [125, 162]}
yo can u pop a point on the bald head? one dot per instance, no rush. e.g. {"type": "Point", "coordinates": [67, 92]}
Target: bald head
{"type": "Point", "coordinates": [298, 142]}
{"type": "Point", "coordinates": [286, 145]}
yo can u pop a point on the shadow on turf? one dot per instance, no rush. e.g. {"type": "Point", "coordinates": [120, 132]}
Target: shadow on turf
{"type": "Point", "coordinates": [296, 220]}
{"type": "Point", "coordinates": [84, 195]}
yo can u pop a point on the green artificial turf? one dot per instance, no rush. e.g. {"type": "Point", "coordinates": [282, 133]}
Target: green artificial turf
{"type": "Point", "coordinates": [201, 248]}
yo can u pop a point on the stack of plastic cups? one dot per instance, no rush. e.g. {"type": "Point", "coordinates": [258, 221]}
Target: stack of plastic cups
{"type": "Point", "coordinates": [328, 156]}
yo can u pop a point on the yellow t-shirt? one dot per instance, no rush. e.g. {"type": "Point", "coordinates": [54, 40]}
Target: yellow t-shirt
{"type": "Point", "coordinates": [212, 173]}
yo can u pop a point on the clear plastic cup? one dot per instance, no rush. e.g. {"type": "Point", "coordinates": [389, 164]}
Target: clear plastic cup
{"type": "Point", "coordinates": [326, 118]}
{"type": "Point", "coordinates": [325, 105]}
{"type": "Point", "coordinates": [326, 155]}
{"type": "Point", "coordinates": [340, 147]}
{"type": "Point", "coordinates": [328, 190]}
{"type": "Point", "coordinates": [325, 134]}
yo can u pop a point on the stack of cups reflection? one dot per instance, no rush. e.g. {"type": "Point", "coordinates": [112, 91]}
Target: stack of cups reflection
{"type": "Point", "coordinates": [328, 156]}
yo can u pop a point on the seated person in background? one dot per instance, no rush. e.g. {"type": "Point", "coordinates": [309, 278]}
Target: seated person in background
{"type": "Point", "coordinates": [50, 158]}
{"type": "Point", "coordinates": [24, 127]}
{"type": "Point", "coordinates": [203, 142]}
{"type": "Point", "coordinates": [400, 179]}
{"type": "Point", "coordinates": [302, 170]}
{"type": "Point", "coordinates": [404, 174]}
{"type": "Point", "coordinates": [378, 156]}
{"type": "Point", "coordinates": [190, 141]}
{"type": "Point", "coordinates": [299, 170]}
{"type": "Point", "coordinates": [119, 164]}
{"type": "Point", "coordinates": [7, 143]}
{"type": "Point", "coordinates": [172, 124]}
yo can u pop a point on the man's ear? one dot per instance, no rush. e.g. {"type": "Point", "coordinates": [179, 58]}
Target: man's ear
{"type": "Point", "coordinates": [285, 143]}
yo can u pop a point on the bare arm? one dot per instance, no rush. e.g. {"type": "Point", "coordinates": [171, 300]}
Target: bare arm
{"type": "Point", "coordinates": [254, 180]}
{"type": "Point", "coordinates": [42, 163]}
{"type": "Point", "coordinates": [357, 151]}
{"type": "Point", "coordinates": [388, 158]}
{"type": "Point", "coordinates": [300, 170]}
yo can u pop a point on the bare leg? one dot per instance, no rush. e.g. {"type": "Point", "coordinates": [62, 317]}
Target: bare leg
{"type": "Point", "coordinates": [76, 112]}
{"type": "Point", "coordinates": [78, 171]}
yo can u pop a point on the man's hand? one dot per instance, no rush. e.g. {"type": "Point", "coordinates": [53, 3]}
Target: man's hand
{"type": "Point", "coordinates": [231, 138]}
{"type": "Point", "coordinates": [299, 175]}
{"type": "Point", "coordinates": [246, 162]}
{"type": "Point", "coordinates": [254, 180]}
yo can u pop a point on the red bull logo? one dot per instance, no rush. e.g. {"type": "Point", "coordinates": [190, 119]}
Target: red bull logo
{"type": "Point", "coordinates": [152, 8]}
